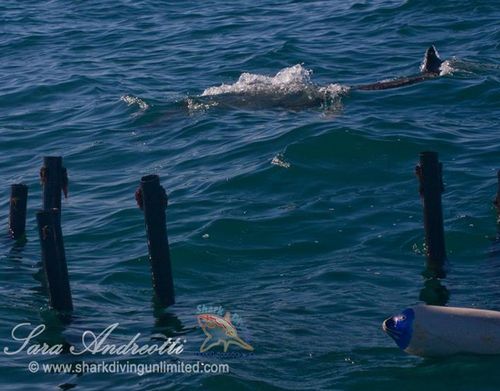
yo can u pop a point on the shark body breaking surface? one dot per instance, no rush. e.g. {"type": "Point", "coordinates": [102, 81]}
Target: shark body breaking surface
{"type": "Point", "coordinates": [292, 88]}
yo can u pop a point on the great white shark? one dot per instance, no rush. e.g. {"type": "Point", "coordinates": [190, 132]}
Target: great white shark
{"type": "Point", "coordinates": [264, 92]}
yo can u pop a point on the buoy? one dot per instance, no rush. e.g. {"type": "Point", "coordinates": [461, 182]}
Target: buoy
{"type": "Point", "coordinates": [427, 330]}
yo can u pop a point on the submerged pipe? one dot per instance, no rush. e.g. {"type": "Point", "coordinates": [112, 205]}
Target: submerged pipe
{"type": "Point", "coordinates": [54, 259]}
{"type": "Point", "coordinates": [429, 173]}
{"type": "Point", "coordinates": [17, 212]}
{"type": "Point", "coordinates": [152, 199]}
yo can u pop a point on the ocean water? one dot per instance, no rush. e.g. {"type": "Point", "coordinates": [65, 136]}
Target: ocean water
{"type": "Point", "coordinates": [293, 202]}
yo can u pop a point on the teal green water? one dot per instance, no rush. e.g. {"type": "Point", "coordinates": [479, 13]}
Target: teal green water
{"type": "Point", "coordinates": [292, 200]}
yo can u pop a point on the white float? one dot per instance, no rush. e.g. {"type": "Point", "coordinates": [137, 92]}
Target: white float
{"type": "Point", "coordinates": [427, 331]}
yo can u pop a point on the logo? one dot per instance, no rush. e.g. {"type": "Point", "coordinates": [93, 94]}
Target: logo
{"type": "Point", "coordinates": [26, 335]}
{"type": "Point", "coordinates": [220, 330]}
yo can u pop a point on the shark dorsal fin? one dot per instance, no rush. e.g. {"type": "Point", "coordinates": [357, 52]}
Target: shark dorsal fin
{"type": "Point", "coordinates": [227, 316]}
{"type": "Point", "coordinates": [432, 62]}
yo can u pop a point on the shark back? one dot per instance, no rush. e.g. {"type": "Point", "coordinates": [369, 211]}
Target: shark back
{"type": "Point", "coordinates": [430, 68]}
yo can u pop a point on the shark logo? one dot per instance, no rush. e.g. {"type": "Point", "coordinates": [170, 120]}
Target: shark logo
{"type": "Point", "coordinates": [220, 331]}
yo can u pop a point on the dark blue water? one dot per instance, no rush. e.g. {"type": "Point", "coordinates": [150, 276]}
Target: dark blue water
{"type": "Point", "coordinates": [292, 198]}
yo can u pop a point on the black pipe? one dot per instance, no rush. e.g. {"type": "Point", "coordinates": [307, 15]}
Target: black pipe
{"type": "Point", "coordinates": [54, 259]}
{"type": "Point", "coordinates": [496, 201]}
{"type": "Point", "coordinates": [17, 214]}
{"type": "Point", "coordinates": [434, 292]}
{"type": "Point", "coordinates": [54, 179]}
{"type": "Point", "coordinates": [429, 173]}
{"type": "Point", "coordinates": [152, 199]}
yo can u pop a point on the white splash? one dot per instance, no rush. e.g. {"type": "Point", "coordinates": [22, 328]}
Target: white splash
{"type": "Point", "coordinates": [291, 87]}
{"type": "Point", "coordinates": [446, 68]}
{"type": "Point", "coordinates": [279, 160]}
{"type": "Point", "coordinates": [133, 100]}
{"type": "Point", "coordinates": [334, 89]}
{"type": "Point", "coordinates": [194, 106]}
{"type": "Point", "coordinates": [287, 81]}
